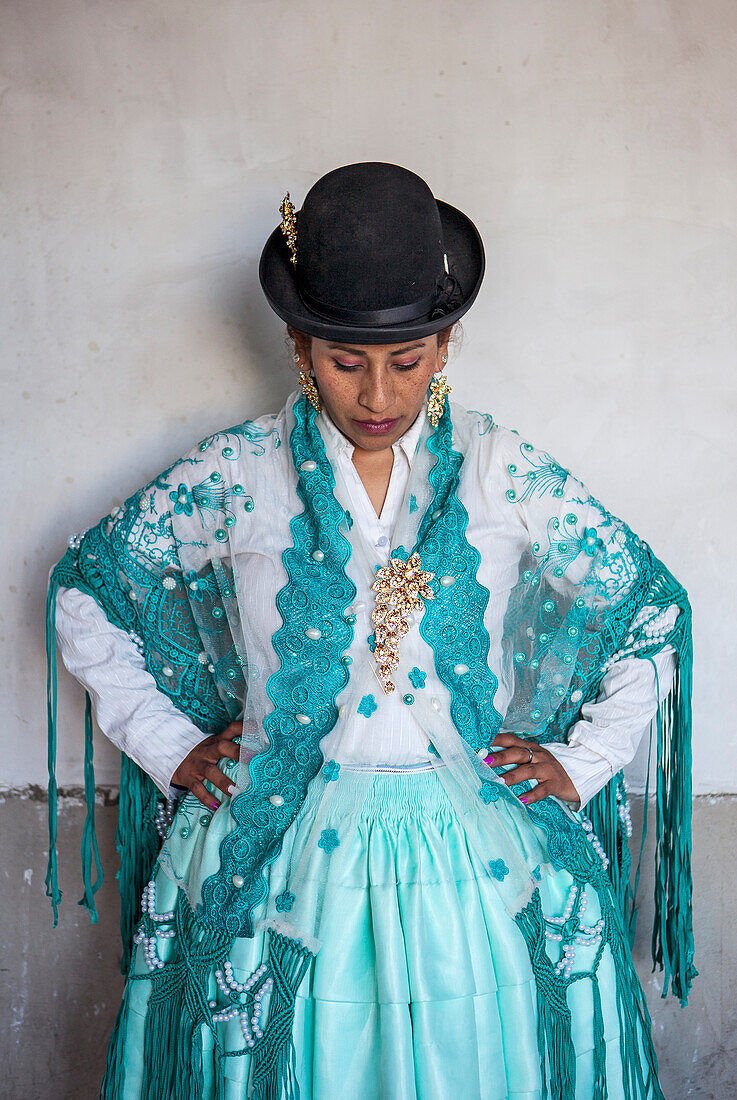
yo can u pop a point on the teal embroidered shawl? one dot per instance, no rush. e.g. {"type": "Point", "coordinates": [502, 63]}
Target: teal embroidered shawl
{"type": "Point", "coordinates": [135, 565]}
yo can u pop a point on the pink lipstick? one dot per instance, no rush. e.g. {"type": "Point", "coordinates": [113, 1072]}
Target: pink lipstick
{"type": "Point", "coordinates": [377, 427]}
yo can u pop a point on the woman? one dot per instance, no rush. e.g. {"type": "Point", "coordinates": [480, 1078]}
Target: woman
{"type": "Point", "coordinates": [389, 650]}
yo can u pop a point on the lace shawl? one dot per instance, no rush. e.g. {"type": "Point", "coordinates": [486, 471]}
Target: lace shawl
{"type": "Point", "coordinates": [171, 568]}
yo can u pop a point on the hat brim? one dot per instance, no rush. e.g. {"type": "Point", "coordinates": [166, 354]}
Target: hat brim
{"type": "Point", "coordinates": [466, 262]}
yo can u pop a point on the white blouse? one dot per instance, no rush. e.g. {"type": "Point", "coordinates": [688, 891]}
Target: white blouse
{"type": "Point", "coordinates": [145, 724]}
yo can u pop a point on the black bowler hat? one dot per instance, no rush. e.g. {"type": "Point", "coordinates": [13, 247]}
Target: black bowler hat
{"type": "Point", "coordinates": [375, 258]}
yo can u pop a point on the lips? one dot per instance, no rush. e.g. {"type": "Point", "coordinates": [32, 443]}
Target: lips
{"type": "Point", "coordinates": [377, 427]}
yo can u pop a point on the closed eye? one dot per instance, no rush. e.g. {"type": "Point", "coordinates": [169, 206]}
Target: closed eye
{"type": "Point", "coordinates": [349, 367]}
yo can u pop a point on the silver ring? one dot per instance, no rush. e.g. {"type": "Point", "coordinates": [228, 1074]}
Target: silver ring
{"type": "Point", "coordinates": [530, 752]}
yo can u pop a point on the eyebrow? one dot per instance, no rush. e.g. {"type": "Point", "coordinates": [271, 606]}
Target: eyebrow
{"type": "Point", "coordinates": [356, 351]}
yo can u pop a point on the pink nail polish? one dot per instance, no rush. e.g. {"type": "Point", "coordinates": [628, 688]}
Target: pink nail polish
{"type": "Point", "coordinates": [214, 805]}
{"type": "Point", "coordinates": [523, 798]}
{"type": "Point", "coordinates": [489, 759]}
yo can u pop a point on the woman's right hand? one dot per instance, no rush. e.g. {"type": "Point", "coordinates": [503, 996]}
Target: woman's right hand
{"type": "Point", "coordinates": [202, 764]}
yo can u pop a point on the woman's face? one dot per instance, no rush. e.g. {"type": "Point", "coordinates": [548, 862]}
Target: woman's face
{"type": "Point", "coordinates": [373, 392]}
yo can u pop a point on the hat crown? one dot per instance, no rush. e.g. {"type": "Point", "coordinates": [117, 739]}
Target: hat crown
{"type": "Point", "coordinates": [369, 234]}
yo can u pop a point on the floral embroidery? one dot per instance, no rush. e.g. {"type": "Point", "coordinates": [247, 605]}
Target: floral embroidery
{"type": "Point", "coordinates": [486, 422]}
{"type": "Point", "coordinates": [183, 501]}
{"type": "Point", "coordinates": [498, 869]}
{"type": "Point", "coordinates": [489, 791]}
{"type": "Point", "coordinates": [417, 677]}
{"type": "Point", "coordinates": [545, 475]}
{"type": "Point", "coordinates": [285, 901]}
{"type": "Point", "coordinates": [367, 706]}
{"type": "Point", "coordinates": [328, 840]}
{"type": "Point", "coordinates": [591, 542]}
{"type": "Point", "coordinates": [412, 502]}
{"type": "Point", "coordinates": [348, 519]}
{"type": "Point", "coordinates": [330, 770]}
{"type": "Point", "coordinates": [371, 642]}
{"type": "Point", "coordinates": [536, 872]}
{"type": "Point", "coordinates": [195, 589]}
{"type": "Point", "coordinates": [431, 748]}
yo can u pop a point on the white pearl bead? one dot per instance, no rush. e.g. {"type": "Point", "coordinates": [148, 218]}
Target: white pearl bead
{"type": "Point", "coordinates": [313, 633]}
{"type": "Point", "coordinates": [237, 881]}
{"type": "Point", "coordinates": [317, 555]}
{"type": "Point", "coordinates": [436, 513]}
{"type": "Point", "coordinates": [447, 580]}
{"type": "Point", "coordinates": [482, 754]}
{"type": "Point", "coordinates": [303, 719]}
{"type": "Point", "coordinates": [276, 800]}
{"type": "Point", "coordinates": [168, 671]}
{"type": "Point", "coordinates": [308, 466]}
{"type": "Point", "coordinates": [460, 670]}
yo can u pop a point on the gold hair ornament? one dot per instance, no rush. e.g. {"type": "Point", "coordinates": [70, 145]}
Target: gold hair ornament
{"type": "Point", "coordinates": [289, 226]}
{"type": "Point", "coordinates": [436, 402]}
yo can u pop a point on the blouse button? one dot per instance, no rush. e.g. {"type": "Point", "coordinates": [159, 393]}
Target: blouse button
{"type": "Point", "coordinates": [317, 555]}
{"type": "Point", "coordinates": [308, 466]}
{"type": "Point", "coordinates": [382, 540]}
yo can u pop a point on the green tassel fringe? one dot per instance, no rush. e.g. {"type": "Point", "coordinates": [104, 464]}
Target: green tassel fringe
{"type": "Point", "coordinates": [137, 842]}
{"type": "Point", "coordinates": [672, 936]}
{"type": "Point", "coordinates": [52, 870]}
{"type": "Point", "coordinates": [274, 1072]}
{"type": "Point", "coordinates": [555, 1044]}
{"type": "Point", "coordinates": [177, 1014]}
{"type": "Point", "coordinates": [554, 1041]}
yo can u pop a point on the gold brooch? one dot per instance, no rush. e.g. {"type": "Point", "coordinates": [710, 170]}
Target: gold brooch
{"type": "Point", "coordinates": [400, 588]}
{"type": "Point", "coordinates": [289, 226]}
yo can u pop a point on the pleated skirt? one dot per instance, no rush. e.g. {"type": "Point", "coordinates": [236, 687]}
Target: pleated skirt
{"type": "Point", "coordinates": [422, 988]}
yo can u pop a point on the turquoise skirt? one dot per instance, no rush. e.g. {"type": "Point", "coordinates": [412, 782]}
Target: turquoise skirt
{"type": "Point", "coordinates": [422, 988]}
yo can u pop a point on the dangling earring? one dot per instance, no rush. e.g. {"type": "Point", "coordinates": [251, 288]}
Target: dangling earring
{"type": "Point", "coordinates": [309, 389]}
{"type": "Point", "coordinates": [438, 389]}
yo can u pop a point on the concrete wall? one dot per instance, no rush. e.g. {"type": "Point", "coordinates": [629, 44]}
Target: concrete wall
{"type": "Point", "coordinates": [145, 150]}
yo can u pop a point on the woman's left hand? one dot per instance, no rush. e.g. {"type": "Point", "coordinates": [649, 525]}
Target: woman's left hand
{"type": "Point", "coordinates": [551, 776]}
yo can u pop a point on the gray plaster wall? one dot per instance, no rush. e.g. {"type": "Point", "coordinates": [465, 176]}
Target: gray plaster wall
{"type": "Point", "coordinates": [60, 989]}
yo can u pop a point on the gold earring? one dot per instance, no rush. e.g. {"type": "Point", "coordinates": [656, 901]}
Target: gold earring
{"type": "Point", "coordinates": [309, 389]}
{"type": "Point", "coordinates": [436, 402]}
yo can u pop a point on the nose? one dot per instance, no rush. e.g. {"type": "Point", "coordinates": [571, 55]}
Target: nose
{"type": "Point", "coordinates": [377, 392]}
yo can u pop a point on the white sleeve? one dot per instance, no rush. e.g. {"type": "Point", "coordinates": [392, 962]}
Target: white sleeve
{"type": "Point", "coordinates": [129, 708]}
{"type": "Point", "coordinates": [607, 735]}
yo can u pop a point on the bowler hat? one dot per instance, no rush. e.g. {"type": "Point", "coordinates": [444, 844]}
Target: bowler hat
{"type": "Point", "coordinates": [375, 258]}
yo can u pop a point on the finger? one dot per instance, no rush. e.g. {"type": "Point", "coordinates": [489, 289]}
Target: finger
{"type": "Point", "coordinates": [199, 790]}
{"type": "Point", "coordinates": [523, 772]}
{"type": "Point", "coordinates": [213, 775]}
{"type": "Point", "coordinates": [233, 730]}
{"type": "Point", "coordinates": [228, 749]}
{"type": "Point", "coordinates": [507, 739]}
{"type": "Point", "coordinates": [518, 754]}
{"type": "Point", "coordinates": [537, 794]}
